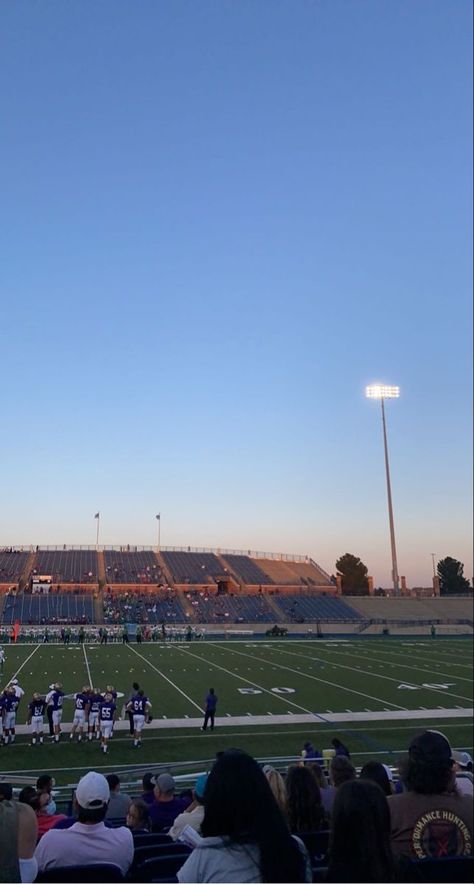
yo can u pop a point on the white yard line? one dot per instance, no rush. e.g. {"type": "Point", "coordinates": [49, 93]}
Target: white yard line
{"type": "Point", "coordinates": [419, 655]}
{"type": "Point", "coordinates": [175, 686]}
{"type": "Point", "coordinates": [321, 680]}
{"type": "Point", "coordinates": [427, 671]}
{"type": "Point", "coordinates": [375, 674]}
{"type": "Point", "coordinates": [24, 664]}
{"type": "Point", "coordinates": [253, 683]}
{"type": "Point", "coordinates": [87, 666]}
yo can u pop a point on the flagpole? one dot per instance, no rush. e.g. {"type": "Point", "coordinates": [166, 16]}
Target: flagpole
{"type": "Point", "coordinates": [97, 516]}
{"type": "Point", "coordinates": [158, 517]}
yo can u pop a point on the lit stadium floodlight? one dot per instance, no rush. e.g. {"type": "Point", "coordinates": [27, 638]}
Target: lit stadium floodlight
{"type": "Point", "coordinates": [382, 392]}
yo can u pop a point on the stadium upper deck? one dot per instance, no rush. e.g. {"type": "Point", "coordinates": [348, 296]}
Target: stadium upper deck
{"type": "Point", "coordinates": [133, 566]}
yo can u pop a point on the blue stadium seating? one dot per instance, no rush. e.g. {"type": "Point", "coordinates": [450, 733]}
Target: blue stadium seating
{"type": "Point", "coordinates": [301, 608]}
{"type": "Point", "coordinates": [248, 571]}
{"type": "Point", "coordinates": [188, 567]}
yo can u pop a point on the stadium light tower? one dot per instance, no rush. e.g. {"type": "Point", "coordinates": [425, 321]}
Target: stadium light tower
{"type": "Point", "coordinates": [382, 392]}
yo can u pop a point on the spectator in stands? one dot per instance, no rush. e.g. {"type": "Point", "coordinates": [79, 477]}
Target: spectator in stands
{"type": "Point", "coordinates": [148, 785]}
{"type": "Point", "coordinates": [309, 753]}
{"type": "Point", "coordinates": [431, 818]}
{"type": "Point", "coordinates": [26, 795]}
{"type": "Point", "coordinates": [339, 748]}
{"type": "Point", "coordinates": [45, 785]}
{"type": "Point", "coordinates": [18, 834]}
{"type": "Point", "coordinates": [305, 809]}
{"type": "Point", "coordinates": [463, 772]}
{"type": "Point", "coordinates": [194, 814]}
{"type": "Point", "coordinates": [359, 847]}
{"type": "Point", "coordinates": [377, 772]}
{"type": "Point", "coordinates": [6, 792]}
{"type": "Point", "coordinates": [46, 820]}
{"type": "Point", "coordinates": [340, 771]}
{"type": "Point", "coordinates": [119, 803]}
{"type": "Point", "coordinates": [245, 835]}
{"type": "Point", "coordinates": [87, 841]}
{"type": "Point", "coordinates": [166, 806]}
{"type": "Point", "coordinates": [138, 817]}
{"type": "Point", "coordinates": [278, 787]}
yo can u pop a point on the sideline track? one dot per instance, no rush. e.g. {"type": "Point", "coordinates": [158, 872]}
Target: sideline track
{"type": "Point", "coordinates": [288, 719]}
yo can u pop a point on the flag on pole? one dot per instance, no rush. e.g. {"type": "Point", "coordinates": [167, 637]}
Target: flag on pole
{"type": "Point", "coordinates": [96, 515]}
{"type": "Point", "coordinates": [158, 516]}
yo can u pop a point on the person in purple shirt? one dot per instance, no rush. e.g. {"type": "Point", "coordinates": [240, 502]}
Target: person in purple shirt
{"type": "Point", "coordinates": [166, 806]}
{"type": "Point", "coordinates": [210, 711]}
{"type": "Point", "coordinates": [81, 708]}
{"type": "Point", "coordinates": [139, 705]}
{"type": "Point", "coordinates": [11, 706]}
{"type": "Point", "coordinates": [106, 718]}
{"type": "Point", "coordinates": [148, 785]}
{"type": "Point", "coordinates": [36, 710]}
{"type": "Point", "coordinates": [95, 699]}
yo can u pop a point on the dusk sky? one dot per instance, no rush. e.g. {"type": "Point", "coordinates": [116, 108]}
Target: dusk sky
{"type": "Point", "coordinates": [219, 222]}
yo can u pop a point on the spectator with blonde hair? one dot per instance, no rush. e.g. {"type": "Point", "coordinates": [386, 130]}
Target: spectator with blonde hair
{"type": "Point", "coordinates": [277, 785]}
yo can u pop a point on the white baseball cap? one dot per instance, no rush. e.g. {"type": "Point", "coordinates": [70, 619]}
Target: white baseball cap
{"type": "Point", "coordinates": [462, 758]}
{"type": "Point", "coordinates": [388, 771]}
{"type": "Point", "coordinates": [92, 791]}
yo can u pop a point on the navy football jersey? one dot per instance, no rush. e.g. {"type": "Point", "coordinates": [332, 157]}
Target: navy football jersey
{"type": "Point", "coordinates": [11, 703]}
{"type": "Point", "coordinates": [139, 705]}
{"type": "Point", "coordinates": [57, 699]}
{"type": "Point", "coordinates": [37, 707]}
{"type": "Point", "coordinates": [107, 711]}
{"type": "Point", "coordinates": [81, 701]}
{"type": "Point", "coordinates": [95, 701]}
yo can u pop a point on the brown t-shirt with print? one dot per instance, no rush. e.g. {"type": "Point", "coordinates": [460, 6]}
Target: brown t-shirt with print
{"type": "Point", "coordinates": [431, 825]}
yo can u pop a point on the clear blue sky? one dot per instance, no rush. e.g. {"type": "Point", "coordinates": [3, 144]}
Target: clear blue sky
{"type": "Point", "coordinates": [220, 221]}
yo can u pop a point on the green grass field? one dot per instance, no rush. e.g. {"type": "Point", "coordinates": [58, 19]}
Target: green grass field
{"type": "Point", "coordinates": [272, 696]}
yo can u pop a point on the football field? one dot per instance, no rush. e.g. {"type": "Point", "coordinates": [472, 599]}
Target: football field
{"type": "Point", "coordinates": [273, 694]}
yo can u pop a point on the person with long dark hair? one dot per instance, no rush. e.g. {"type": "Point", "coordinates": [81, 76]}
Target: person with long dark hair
{"type": "Point", "coordinates": [305, 809]}
{"type": "Point", "coordinates": [359, 845]}
{"type": "Point", "coordinates": [245, 836]}
{"type": "Point", "coordinates": [377, 772]}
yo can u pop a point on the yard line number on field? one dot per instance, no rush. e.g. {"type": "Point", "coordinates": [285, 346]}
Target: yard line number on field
{"type": "Point", "coordinates": [255, 685]}
{"type": "Point", "coordinates": [315, 678]}
{"type": "Point", "coordinates": [364, 671]}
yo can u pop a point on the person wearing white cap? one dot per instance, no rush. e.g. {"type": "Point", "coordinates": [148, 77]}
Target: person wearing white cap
{"type": "Point", "coordinates": [463, 771]}
{"type": "Point", "coordinates": [88, 841]}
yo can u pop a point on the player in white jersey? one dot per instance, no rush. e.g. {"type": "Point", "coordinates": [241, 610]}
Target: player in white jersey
{"type": "Point", "coordinates": [2, 658]}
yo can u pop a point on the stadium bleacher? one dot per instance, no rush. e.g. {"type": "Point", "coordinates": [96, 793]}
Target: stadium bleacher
{"type": "Point", "coordinates": [124, 566]}
{"type": "Point", "coordinates": [301, 608]}
{"type": "Point", "coordinates": [248, 571]}
{"type": "Point", "coordinates": [48, 608]}
{"type": "Point", "coordinates": [131, 607]}
{"type": "Point", "coordinates": [12, 564]}
{"type": "Point", "coordinates": [68, 565]}
{"type": "Point", "coordinates": [189, 567]}
{"type": "Point", "coordinates": [212, 608]}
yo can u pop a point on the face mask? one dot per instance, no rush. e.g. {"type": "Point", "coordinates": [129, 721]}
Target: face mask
{"type": "Point", "coordinates": [50, 808]}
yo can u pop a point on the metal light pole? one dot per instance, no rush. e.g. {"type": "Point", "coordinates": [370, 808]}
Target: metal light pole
{"type": "Point", "coordinates": [158, 518]}
{"type": "Point", "coordinates": [382, 392]}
